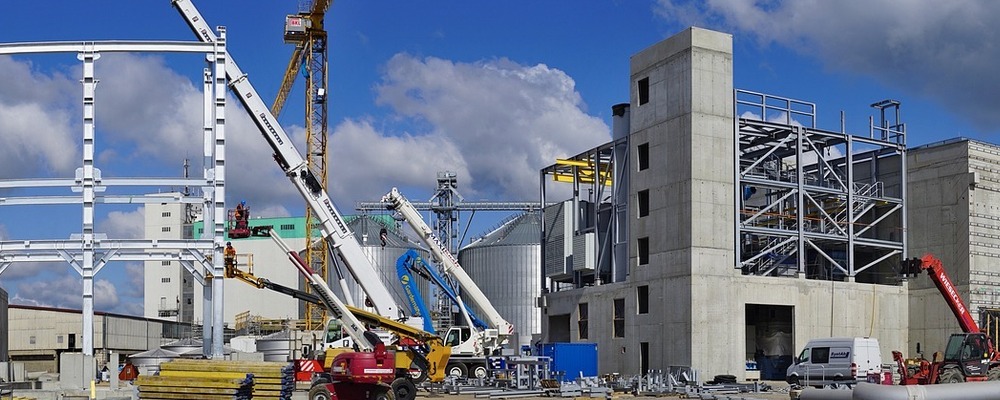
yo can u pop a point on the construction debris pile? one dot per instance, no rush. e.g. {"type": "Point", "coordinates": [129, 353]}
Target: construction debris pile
{"type": "Point", "coordinates": [211, 379]}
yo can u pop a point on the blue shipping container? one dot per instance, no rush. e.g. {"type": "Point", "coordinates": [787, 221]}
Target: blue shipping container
{"type": "Point", "coordinates": [571, 360]}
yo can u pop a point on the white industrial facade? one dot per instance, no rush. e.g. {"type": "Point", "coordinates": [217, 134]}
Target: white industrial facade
{"type": "Point", "coordinates": [171, 294]}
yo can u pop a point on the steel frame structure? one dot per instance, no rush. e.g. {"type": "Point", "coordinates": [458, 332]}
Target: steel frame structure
{"type": "Point", "coordinates": [823, 204]}
{"type": "Point", "coordinates": [89, 252]}
{"type": "Point", "coordinates": [603, 171]}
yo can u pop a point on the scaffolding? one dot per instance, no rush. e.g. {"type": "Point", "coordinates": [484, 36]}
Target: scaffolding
{"type": "Point", "coordinates": [815, 203]}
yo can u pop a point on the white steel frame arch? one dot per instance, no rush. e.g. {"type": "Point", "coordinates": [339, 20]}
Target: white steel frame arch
{"type": "Point", "coordinates": [88, 252]}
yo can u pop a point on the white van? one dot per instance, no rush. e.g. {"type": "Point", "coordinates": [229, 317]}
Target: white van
{"type": "Point", "coordinates": [835, 360]}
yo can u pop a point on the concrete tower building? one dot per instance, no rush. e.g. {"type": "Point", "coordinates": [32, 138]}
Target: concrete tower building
{"type": "Point", "coordinates": [688, 295]}
{"type": "Point", "coordinates": [953, 197]}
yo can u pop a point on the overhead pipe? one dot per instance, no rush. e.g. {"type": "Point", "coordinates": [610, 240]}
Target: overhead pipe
{"type": "Point", "coordinates": [945, 391]}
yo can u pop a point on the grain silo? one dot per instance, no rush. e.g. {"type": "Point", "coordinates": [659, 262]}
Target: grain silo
{"type": "Point", "coordinates": [506, 265]}
{"type": "Point", "coordinates": [369, 231]}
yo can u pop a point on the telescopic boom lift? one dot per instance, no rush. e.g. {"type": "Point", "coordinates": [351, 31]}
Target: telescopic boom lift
{"type": "Point", "coordinates": [968, 356]}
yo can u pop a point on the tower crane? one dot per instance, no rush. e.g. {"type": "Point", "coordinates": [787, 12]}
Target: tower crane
{"type": "Point", "coordinates": [305, 30]}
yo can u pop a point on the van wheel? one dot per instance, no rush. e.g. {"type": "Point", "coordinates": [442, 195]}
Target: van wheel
{"type": "Point", "coordinates": [794, 380]}
{"type": "Point", "coordinates": [951, 375]}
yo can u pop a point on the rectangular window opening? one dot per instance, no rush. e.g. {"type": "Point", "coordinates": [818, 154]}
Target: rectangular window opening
{"type": "Point", "coordinates": [643, 200]}
{"type": "Point", "coordinates": [642, 248]}
{"type": "Point", "coordinates": [643, 89]}
{"type": "Point", "coordinates": [642, 299]}
{"type": "Point", "coordinates": [619, 320]}
{"type": "Point", "coordinates": [165, 229]}
{"type": "Point", "coordinates": [165, 214]}
{"type": "Point", "coordinates": [584, 312]}
{"type": "Point", "coordinates": [643, 156]}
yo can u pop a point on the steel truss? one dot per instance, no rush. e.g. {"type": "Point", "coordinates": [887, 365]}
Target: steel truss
{"type": "Point", "coordinates": [88, 252]}
{"type": "Point", "coordinates": [816, 203]}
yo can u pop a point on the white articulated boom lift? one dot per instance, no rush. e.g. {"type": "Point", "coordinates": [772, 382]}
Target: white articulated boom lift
{"type": "Point", "coordinates": [470, 345]}
{"type": "Point", "coordinates": [364, 374]}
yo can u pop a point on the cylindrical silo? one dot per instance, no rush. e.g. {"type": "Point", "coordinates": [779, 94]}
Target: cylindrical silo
{"type": "Point", "coordinates": [368, 230]}
{"type": "Point", "coordinates": [506, 265]}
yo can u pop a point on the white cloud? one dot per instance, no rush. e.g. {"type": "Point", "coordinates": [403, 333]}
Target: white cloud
{"type": "Point", "coordinates": [941, 50]}
{"type": "Point", "coordinates": [37, 124]}
{"type": "Point", "coordinates": [66, 292]}
{"type": "Point", "coordinates": [135, 287]}
{"type": "Point", "coordinates": [123, 224]}
{"type": "Point", "coordinates": [499, 120]}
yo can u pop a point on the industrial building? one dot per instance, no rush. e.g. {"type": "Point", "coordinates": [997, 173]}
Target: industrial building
{"type": "Point", "coordinates": [37, 336]}
{"type": "Point", "coordinates": [704, 238]}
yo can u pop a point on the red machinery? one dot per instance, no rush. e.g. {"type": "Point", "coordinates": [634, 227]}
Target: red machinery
{"type": "Point", "coordinates": [238, 222]}
{"type": "Point", "coordinates": [968, 356]}
{"type": "Point", "coordinates": [358, 375]}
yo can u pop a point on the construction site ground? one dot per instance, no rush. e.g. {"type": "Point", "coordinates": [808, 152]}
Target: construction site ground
{"type": "Point", "coordinates": [779, 390]}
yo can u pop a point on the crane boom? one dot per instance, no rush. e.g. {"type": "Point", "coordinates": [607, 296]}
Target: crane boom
{"type": "Point", "coordinates": [331, 224]}
{"type": "Point", "coordinates": [449, 264]}
{"type": "Point", "coordinates": [944, 284]}
{"type": "Point", "coordinates": [322, 291]}
{"type": "Point", "coordinates": [411, 261]}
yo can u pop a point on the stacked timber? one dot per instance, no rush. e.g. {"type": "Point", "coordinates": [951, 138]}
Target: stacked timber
{"type": "Point", "coordinates": [218, 379]}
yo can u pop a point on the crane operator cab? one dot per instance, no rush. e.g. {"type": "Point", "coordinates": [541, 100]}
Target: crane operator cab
{"type": "Point", "coordinates": [970, 352]}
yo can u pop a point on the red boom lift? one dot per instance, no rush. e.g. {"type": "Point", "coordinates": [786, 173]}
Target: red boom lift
{"type": "Point", "coordinates": [969, 356]}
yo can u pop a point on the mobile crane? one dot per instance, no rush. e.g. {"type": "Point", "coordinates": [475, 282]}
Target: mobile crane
{"type": "Point", "coordinates": [969, 356]}
{"type": "Point", "coordinates": [339, 238]}
{"type": "Point", "coordinates": [422, 354]}
{"type": "Point", "coordinates": [366, 374]}
{"type": "Point", "coordinates": [471, 345]}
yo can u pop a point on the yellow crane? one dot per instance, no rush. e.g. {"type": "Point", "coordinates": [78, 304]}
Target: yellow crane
{"type": "Point", "coordinates": [305, 30]}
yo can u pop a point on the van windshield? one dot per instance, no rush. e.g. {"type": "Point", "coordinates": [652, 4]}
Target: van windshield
{"type": "Point", "coordinates": [804, 356]}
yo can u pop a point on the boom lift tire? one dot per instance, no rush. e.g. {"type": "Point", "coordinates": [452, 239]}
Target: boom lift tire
{"type": "Point", "coordinates": [319, 392]}
{"type": "Point", "coordinates": [457, 370]}
{"type": "Point", "coordinates": [951, 375]}
{"type": "Point", "coordinates": [404, 389]}
{"type": "Point", "coordinates": [383, 393]}
{"type": "Point", "coordinates": [993, 374]}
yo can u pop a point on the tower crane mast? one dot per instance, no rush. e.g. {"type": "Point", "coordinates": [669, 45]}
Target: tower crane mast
{"type": "Point", "coordinates": [305, 30]}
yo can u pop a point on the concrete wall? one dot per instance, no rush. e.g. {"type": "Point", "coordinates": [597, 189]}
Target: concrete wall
{"type": "Point", "coordinates": [938, 221]}
{"type": "Point", "coordinates": [821, 309]}
{"type": "Point", "coordinates": [953, 193]}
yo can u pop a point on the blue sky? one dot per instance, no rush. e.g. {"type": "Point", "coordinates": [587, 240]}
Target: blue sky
{"type": "Point", "coordinates": [490, 90]}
